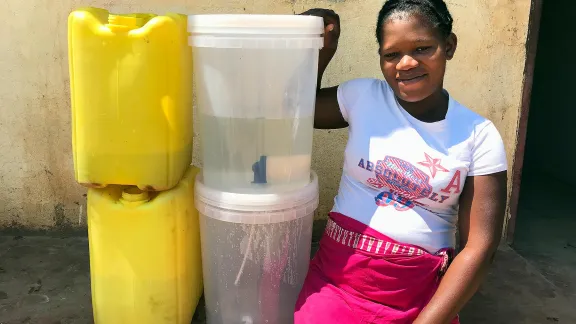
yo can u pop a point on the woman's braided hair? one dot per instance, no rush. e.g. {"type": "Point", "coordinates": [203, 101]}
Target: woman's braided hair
{"type": "Point", "coordinates": [435, 11]}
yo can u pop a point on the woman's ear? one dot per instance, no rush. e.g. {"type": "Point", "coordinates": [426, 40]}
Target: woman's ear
{"type": "Point", "coordinates": [451, 44]}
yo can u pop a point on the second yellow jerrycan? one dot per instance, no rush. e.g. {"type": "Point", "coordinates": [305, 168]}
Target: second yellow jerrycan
{"type": "Point", "coordinates": [131, 97]}
{"type": "Point", "coordinates": [145, 257]}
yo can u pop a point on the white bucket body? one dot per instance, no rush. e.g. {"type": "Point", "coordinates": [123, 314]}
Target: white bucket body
{"type": "Point", "coordinates": [255, 252]}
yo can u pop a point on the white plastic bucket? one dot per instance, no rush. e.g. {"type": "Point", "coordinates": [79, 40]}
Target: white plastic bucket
{"type": "Point", "coordinates": [256, 66]}
{"type": "Point", "coordinates": [255, 81]}
{"type": "Point", "coordinates": [255, 252]}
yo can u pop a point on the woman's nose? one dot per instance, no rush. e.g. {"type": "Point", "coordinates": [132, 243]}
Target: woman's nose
{"type": "Point", "coordinates": [407, 63]}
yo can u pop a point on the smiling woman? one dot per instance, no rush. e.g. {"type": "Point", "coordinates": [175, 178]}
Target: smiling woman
{"type": "Point", "coordinates": [418, 165]}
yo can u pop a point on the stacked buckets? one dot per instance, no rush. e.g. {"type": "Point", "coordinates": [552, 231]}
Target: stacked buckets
{"type": "Point", "coordinates": [255, 79]}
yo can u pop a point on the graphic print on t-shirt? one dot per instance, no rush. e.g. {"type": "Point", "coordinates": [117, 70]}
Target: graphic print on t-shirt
{"type": "Point", "coordinates": [433, 165]}
{"type": "Point", "coordinates": [406, 184]}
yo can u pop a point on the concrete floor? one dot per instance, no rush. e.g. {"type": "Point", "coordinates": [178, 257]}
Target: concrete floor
{"type": "Point", "coordinates": [45, 280]}
{"type": "Point", "coordinates": [545, 233]}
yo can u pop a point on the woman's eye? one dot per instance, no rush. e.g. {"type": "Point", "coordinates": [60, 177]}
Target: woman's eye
{"type": "Point", "coordinates": [423, 49]}
{"type": "Point", "coordinates": [390, 55]}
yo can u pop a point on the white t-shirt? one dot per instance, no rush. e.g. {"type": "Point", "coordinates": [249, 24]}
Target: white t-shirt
{"type": "Point", "coordinates": [403, 177]}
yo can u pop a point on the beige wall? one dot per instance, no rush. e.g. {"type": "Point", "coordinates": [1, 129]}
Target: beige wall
{"type": "Point", "coordinates": [36, 173]}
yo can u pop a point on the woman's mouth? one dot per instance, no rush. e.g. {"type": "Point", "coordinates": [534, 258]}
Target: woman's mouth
{"type": "Point", "coordinates": [411, 80]}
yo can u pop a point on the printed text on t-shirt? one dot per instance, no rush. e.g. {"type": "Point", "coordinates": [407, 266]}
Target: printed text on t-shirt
{"type": "Point", "coordinates": [405, 183]}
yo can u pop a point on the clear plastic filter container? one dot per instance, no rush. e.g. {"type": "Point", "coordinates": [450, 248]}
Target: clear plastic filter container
{"type": "Point", "coordinates": [255, 252]}
{"type": "Point", "coordinates": [255, 79]}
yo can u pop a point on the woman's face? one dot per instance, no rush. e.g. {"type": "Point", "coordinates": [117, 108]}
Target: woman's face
{"type": "Point", "coordinates": [413, 57]}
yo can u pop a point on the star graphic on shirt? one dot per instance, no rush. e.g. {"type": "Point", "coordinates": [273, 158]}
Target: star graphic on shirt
{"type": "Point", "coordinates": [433, 165]}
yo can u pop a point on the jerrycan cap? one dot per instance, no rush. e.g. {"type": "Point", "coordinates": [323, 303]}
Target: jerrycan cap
{"type": "Point", "coordinates": [133, 196]}
{"type": "Point", "coordinates": [127, 22]}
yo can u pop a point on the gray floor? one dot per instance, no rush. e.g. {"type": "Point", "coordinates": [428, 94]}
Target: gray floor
{"type": "Point", "coordinates": [546, 231]}
{"type": "Point", "coordinates": [46, 281]}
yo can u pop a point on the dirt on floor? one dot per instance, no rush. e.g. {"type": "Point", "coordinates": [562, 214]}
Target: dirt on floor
{"type": "Point", "coordinates": [46, 280]}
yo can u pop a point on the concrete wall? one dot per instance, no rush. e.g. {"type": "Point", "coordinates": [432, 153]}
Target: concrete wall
{"type": "Point", "coordinates": [553, 106]}
{"type": "Point", "coordinates": [36, 173]}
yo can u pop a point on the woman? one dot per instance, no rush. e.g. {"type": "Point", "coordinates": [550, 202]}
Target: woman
{"type": "Point", "coordinates": [418, 165]}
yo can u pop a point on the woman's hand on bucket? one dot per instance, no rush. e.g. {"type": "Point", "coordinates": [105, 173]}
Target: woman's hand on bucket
{"type": "Point", "coordinates": [327, 111]}
{"type": "Point", "coordinates": [331, 26]}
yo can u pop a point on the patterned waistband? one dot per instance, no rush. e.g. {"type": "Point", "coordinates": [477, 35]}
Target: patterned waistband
{"type": "Point", "coordinates": [371, 244]}
{"type": "Point", "coordinates": [368, 243]}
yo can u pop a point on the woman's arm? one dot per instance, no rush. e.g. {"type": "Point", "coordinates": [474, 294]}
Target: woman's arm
{"type": "Point", "coordinates": [481, 217]}
{"type": "Point", "coordinates": [327, 113]}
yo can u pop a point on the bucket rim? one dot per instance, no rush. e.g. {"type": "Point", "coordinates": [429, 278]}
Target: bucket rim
{"type": "Point", "coordinates": [254, 202]}
{"type": "Point", "coordinates": [248, 24]}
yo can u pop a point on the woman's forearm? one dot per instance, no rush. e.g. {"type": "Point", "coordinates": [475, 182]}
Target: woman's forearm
{"type": "Point", "coordinates": [326, 55]}
{"type": "Point", "coordinates": [459, 284]}
{"type": "Point", "coordinates": [331, 36]}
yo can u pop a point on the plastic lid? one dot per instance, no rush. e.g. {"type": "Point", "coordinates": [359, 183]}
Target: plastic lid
{"type": "Point", "coordinates": [256, 24]}
{"type": "Point", "coordinates": [132, 196]}
{"type": "Point", "coordinates": [257, 208]}
{"type": "Point", "coordinates": [129, 21]}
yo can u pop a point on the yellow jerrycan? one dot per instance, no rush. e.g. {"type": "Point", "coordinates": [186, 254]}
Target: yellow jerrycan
{"type": "Point", "coordinates": [131, 98]}
{"type": "Point", "coordinates": [145, 257]}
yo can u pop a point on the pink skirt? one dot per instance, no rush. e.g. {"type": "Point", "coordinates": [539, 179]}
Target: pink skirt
{"type": "Point", "coordinates": [360, 275]}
